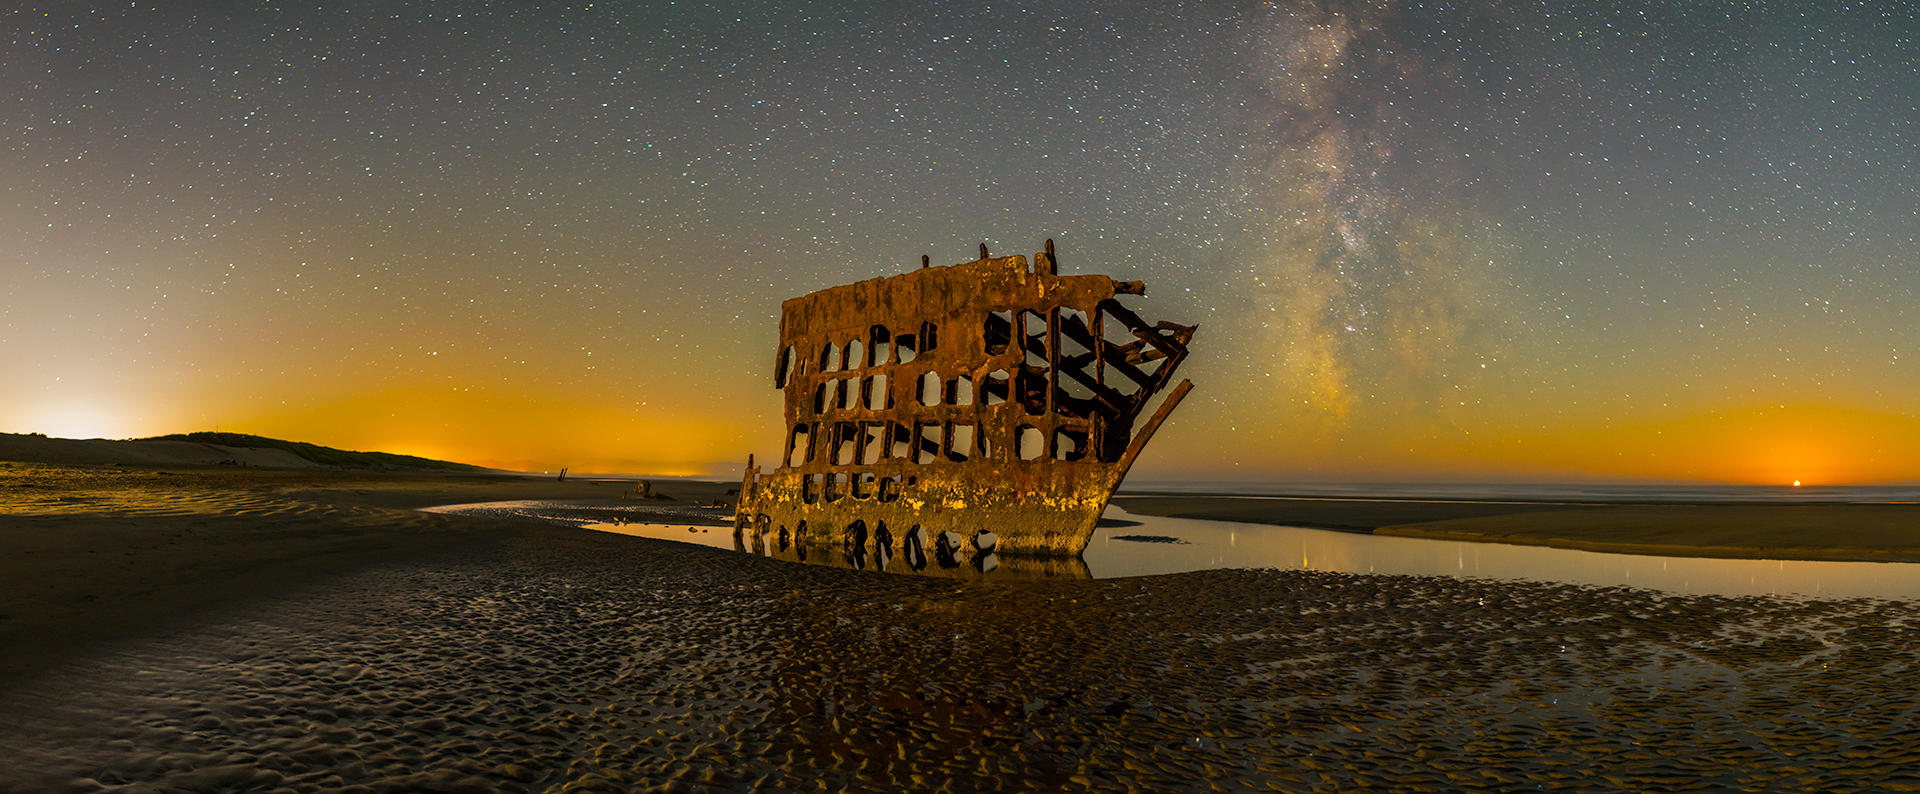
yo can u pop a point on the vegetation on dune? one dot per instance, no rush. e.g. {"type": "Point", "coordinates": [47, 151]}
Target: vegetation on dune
{"type": "Point", "coordinates": [325, 456]}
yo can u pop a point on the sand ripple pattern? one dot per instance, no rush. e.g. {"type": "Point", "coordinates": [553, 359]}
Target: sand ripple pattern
{"type": "Point", "coordinates": [32, 491]}
{"type": "Point", "coordinates": [575, 661]}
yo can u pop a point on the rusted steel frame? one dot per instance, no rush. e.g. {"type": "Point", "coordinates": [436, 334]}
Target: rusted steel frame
{"type": "Point", "coordinates": [1096, 334]}
{"type": "Point", "coordinates": [1111, 395]}
{"type": "Point", "coordinates": [1078, 331]}
{"type": "Point", "coordinates": [1166, 345]}
{"type": "Point", "coordinates": [1053, 359]}
{"type": "Point", "coordinates": [994, 338]}
{"type": "Point", "coordinates": [1028, 381]}
{"type": "Point", "coordinates": [782, 366]}
{"type": "Point", "coordinates": [1146, 431]}
{"type": "Point", "coordinates": [813, 324]}
{"type": "Point", "coordinates": [1116, 357]}
{"type": "Point", "coordinates": [1172, 346]}
{"type": "Point", "coordinates": [1135, 401]}
{"type": "Point", "coordinates": [1106, 401]}
{"type": "Point", "coordinates": [1121, 408]}
{"type": "Point", "coordinates": [1031, 344]}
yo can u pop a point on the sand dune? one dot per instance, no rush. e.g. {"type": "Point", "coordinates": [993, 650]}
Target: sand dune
{"type": "Point", "coordinates": [100, 451]}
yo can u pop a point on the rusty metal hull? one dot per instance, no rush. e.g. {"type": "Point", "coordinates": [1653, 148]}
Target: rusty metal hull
{"type": "Point", "coordinates": [983, 397]}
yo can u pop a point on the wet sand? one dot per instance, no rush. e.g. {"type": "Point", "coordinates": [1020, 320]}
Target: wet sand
{"type": "Point", "coordinates": [1869, 532]}
{"type": "Point", "coordinates": [92, 553]}
{"type": "Point", "coordinates": [476, 654]}
{"type": "Point", "coordinates": [1876, 533]}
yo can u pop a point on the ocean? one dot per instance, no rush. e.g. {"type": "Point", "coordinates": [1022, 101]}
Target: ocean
{"type": "Point", "coordinates": [1536, 492]}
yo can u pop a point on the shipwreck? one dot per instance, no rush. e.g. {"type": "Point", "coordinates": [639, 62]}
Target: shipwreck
{"type": "Point", "coordinates": [987, 404]}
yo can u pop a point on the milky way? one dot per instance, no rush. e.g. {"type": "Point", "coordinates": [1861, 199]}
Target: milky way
{"type": "Point", "coordinates": [1375, 272]}
{"type": "Point", "coordinates": [1421, 240]}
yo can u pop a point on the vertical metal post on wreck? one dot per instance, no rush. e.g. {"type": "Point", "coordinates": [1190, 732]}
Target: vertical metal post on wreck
{"type": "Point", "coordinates": [981, 397]}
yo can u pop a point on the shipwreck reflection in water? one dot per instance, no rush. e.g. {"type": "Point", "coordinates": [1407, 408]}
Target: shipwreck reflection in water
{"type": "Point", "coordinates": [944, 555]}
{"type": "Point", "coordinates": [1135, 545]}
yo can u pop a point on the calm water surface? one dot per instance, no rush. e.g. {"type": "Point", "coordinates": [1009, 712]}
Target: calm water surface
{"type": "Point", "coordinates": [1142, 545]}
{"type": "Point", "coordinates": [1533, 492]}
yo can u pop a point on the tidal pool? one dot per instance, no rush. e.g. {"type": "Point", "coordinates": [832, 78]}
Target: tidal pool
{"type": "Point", "coordinates": [1140, 545]}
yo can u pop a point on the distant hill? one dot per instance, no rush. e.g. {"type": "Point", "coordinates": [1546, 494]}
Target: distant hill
{"type": "Point", "coordinates": [325, 456]}
{"type": "Point", "coordinates": [206, 449]}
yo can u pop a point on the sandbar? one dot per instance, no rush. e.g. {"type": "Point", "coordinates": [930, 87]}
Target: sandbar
{"type": "Point", "coordinates": [1789, 531]}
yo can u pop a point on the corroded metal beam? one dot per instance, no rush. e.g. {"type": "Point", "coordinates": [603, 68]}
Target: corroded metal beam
{"type": "Point", "coordinates": [941, 400]}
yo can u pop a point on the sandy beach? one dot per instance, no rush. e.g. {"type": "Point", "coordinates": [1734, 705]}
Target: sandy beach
{"type": "Point", "coordinates": [1813, 531]}
{"type": "Point", "coordinates": [95, 552]}
{"type": "Point", "coordinates": [209, 629]}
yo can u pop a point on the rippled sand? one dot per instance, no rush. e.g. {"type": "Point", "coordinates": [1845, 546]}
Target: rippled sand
{"type": "Point", "coordinates": [89, 554]}
{"type": "Point", "coordinates": [535, 658]}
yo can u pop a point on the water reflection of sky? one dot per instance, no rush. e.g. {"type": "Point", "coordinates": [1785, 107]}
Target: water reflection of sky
{"type": "Point", "coordinates": [1678, 494]}
{"type": "Point", "coordinates": [1203, 545]}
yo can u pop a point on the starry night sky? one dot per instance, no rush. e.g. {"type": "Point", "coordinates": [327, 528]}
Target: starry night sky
{"type": "Point", "coordinates": [1450, 241]}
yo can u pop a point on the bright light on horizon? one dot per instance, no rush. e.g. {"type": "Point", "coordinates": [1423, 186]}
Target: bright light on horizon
{"type": "Point", "coordinates": [78, 421]}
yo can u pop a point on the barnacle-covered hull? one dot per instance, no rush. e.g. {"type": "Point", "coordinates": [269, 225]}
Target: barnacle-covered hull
{"type": "Point", "coordinates": [980, 402]}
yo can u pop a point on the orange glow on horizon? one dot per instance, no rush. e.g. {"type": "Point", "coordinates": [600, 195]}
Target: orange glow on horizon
{"type": "Point", "coordinates": [1796, 444]}
{"type": "Point", "coordinates": [611, 432]}
{"type": "Point", "coordinates": [516, 432]}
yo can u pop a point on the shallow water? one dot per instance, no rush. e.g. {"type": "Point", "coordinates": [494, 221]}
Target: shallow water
{"type": "Point", "coordinates": [1218, 544]}
{"type": "Point", "coordinates": [579, 661]}
{"type": "Point", "coordinates": [1535, 492]}
{"type": "Point", "coordinates": [1171, 545]}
